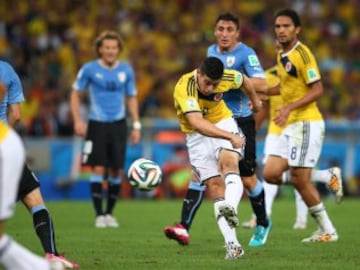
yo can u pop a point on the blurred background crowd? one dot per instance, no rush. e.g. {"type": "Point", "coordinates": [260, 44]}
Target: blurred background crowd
{"type": "Point", "coordinates": [47, 41]}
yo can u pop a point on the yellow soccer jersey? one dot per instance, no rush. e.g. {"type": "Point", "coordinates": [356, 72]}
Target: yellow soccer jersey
{"type": "Point", "coordinates": [272, 80]}
{"type": "Point", "coordinates": [187, 98]}
{"type": "Point", "coordinates": [4, 129]}
{"type": "Point", "coordinates": [298, 69]}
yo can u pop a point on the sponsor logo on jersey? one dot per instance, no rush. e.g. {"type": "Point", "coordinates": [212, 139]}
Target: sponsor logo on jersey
{"type": "Point", "coordinates": [121, 76]}
{"type": "Point", "coordinates": [230, 61]}
{"type": "Point", "coordinates": [99, 75]}
{"type": "Point", "coordinates": [253, 60]}
{"type": "Point", "coordinates": [238, 78]}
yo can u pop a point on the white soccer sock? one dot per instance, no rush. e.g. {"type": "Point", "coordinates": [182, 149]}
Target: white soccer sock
{"type": "Point", "coordinates": [301, 208]}
{"type": "Point", "coordinates": [15, 257]}
{"type": "Point", "coordinates": [234, 189]}
{"type": "Point", "coordinates": [321, 217]}
{"type": "Point", "coordinates": [228, 233]}
{"type": "Point", "coordinates": [321, 176]}
{"type": "Point", "coordinates": [270, 194]}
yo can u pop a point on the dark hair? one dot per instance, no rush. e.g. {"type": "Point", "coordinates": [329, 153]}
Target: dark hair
{"type": "Point", "coordinates": [228, 17]}
{"type": "Point", "coordinates": [291, 14]}
{"type": "Point", "coordinates": [108, 34]}
{"type": "Point", "coordinates": [212, 67]}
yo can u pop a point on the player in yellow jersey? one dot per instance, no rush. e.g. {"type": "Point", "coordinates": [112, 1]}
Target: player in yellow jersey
{"type": "Point", "coordinates": [331, 177]}
{"type": "Point", "coordinates": [300, 142]}
{"type": "Point", "coordinates": [12, 157]}
{"type": "Point", "coordinates": [214, 142]}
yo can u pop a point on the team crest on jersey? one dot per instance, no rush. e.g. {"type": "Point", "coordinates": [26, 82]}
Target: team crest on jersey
{"type": "Point", "coordinates": [121, 76]}
{"type": "Point", "coordinates": [218, 96]}
{"type": "Point", "coordinates": [230, 61]}
{"type": "Point", "coordinates": [288, 66]}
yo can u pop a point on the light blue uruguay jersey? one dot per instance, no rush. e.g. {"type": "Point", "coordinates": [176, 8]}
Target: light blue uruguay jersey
{"type": "Point", "coordinates": [107, 88]}
{"type": "Point", "coordinates": [14, 93]}
{"type": "Point", "coordinates": [244, 59]}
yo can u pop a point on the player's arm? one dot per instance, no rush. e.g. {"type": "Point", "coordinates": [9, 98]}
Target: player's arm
{"type": "Point", "coordinates": [206, 128]}
{"type": "Point", "coordinates": [75, 104]}
{"type": "Point", "coordinates": [263, 114]}
{"type": "Point", "coordinates": [250, 91]}
{"type": "Point", "coordinates": [316, 91]}
{"type": "Point", "coordinates": [2, 90]}
{"type": "Point", "coordinates": [133, 109]}
{"type": "Point", "coordinates": [260, 86]}
{"type": "Point", "coordinates": [14, 114]}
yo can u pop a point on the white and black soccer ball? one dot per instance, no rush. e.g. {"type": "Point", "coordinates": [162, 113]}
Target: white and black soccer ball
{"type": "Point", "coordinates": [144, 174]}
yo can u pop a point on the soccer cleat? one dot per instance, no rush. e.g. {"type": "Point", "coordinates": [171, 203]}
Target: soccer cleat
{"type": "Point", "coordinates": [100, 222]}
{"type": "Point", "coordinates": [335, 184]}
{"type": "Point", "coordinates": [260, 235]}
{"type": "Point", "coordinates": [320, 236]}
{"type": "Point", "coordinates": [61, 259]}
{"type": "Point", "coordinates": [299, 225]}
{"type": "Point", "coordinates": [233, 251]}
{"type": "Point", "coordinates": [229, 213]}
{"type": "Point", "coordinates": [178, 233]}
{"type": "Point", "coordinates": [250, 224]}
{"type": "Point", "coordinates": [111, 221]}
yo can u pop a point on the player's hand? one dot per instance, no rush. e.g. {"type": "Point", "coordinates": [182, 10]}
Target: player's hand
{"type": "Point", "coordinates": [237, 141]}
{"type": "Point", "coordinates": [80, 128]}
{"type": "Point", "coordinates": [257, 107]}
{"type": "Point", "coordinates": [282, 116]}
{"type": "Point", "coordinates": [135, 136]}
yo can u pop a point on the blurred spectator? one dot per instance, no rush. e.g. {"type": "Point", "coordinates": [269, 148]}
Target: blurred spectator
{"type": "Point", "coordinates": [47, 41]}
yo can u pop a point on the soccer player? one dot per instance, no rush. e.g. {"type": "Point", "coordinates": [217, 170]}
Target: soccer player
{"type": "Point", "coordinates": [331, 177]}
{"type": "Point", "coordinates": [215, 143]}
{"type": "Point", "coordinates": [237, 56]}
{"type": "Point", "coordinates": [300, 142]}
{"type": "Point", "coordinates": [12, 254]}
{"type": "Point", "coordinates": [29, 188]}
{"type": "Point", "coordinates": [112, 92]}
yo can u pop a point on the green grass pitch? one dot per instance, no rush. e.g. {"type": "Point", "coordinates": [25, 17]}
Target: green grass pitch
{"type": "Point", "coordinates": [139, 243]}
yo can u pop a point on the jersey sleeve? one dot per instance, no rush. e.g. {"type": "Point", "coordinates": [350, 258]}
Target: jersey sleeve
{"type": "Point", "coordinates": [15, 90]}
{"type": "Point", "coordinates": [82, 79]}
{"type": "Point", "coordinates": [310, 71]}
{"type": "Point", "coordinates": [130, 82]}
{"type": "Point", "coordinates": [185, 99]}
{"type": "Point", "coordinates": [252, 65]}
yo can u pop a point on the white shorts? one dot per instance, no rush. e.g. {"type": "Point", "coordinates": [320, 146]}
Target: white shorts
{"type": "Point", "coordinates": [204, 151]}
{"type": "Point", "coordinates": [301, 142]}
{"type": "Point", "coordinates": [12, 158]}
{"type": "Point", "coordinates": [270, 146]}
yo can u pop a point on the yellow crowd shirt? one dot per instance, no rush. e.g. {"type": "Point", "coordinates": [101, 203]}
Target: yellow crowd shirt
{"type": "Point", "coordinates": [297, 70]}
{"type": "Point", "coordinates": [4, 129]}
{"type": "Point", "coordinates": [272, 80]}
{"type": "Point", "coordinates": [188, 98]}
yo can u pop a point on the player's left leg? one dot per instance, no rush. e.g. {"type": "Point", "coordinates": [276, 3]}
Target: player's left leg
{"type": "Point", "coordinates": [30, 195]}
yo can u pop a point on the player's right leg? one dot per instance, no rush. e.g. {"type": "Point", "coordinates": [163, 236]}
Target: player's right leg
{"type": "Point", "coordinates": [13, 255]}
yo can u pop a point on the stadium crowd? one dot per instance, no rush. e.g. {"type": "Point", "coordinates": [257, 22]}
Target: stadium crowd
{"type": "Point", "coordinates": [47, 41]}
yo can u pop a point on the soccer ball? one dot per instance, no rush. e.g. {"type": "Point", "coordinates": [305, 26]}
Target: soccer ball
{"type": "Point", "coordinates": [144, 174]}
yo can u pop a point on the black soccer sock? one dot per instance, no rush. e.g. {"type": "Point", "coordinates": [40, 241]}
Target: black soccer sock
{"type": "Point", "coordinates": [191, 204]}
{"type": "Point", "coordinates": [112, 197]}
{"type": "Point", "coordinates": [258, 206]}
{"type": "Point", "coordinates": [44, 229]}
{"type": "Point", "coordinates": [97, 196]}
